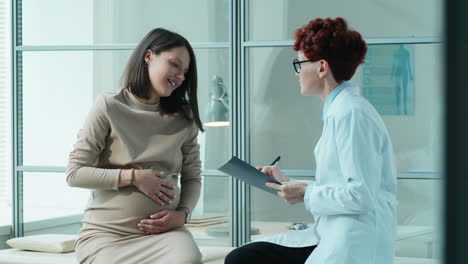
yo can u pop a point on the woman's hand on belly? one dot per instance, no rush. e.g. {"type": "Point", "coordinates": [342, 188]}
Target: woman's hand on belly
{"type": "Point", "coordinates": [163, 221]}
{"type": "Point", "coordinates": [150, 183]}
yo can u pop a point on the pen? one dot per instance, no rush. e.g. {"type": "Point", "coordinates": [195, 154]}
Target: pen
{"type": "Point", "coordinates": [275, 161]}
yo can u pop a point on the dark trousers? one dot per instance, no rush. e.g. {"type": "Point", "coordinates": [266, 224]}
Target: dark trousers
{"type": "Point", "coordinates": [268, 253]}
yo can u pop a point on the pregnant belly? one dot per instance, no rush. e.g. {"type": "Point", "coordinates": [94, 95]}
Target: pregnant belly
{"type": "Point", "coordinates": [123, 209]}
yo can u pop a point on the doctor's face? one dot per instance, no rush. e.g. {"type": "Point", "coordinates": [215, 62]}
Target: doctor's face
{"type": "Point", "coordinates": [308, 74]}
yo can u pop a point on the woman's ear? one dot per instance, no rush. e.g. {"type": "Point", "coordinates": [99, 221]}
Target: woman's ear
{"type": "Point", "coordinates": [148, 55]}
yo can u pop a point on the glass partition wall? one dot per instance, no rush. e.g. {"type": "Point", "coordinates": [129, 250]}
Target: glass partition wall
{"type": "Point", "coordinates": [66, 53]}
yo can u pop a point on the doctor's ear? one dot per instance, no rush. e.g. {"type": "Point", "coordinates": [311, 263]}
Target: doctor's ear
{"type": "Point", "coordinates": [323, 69]}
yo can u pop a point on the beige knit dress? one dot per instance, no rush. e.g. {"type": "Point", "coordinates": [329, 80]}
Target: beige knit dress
{"type": "Point", "coordinates": [121, 132]}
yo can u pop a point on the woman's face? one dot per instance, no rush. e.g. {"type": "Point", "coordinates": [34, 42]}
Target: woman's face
{"type": "Point", "coordinates": [167, 70]}
{"type": "Point", "coordinates": [309, 76]}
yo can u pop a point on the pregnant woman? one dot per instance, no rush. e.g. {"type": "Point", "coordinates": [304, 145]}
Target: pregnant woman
{"type": "Point", "coordinates": [130, 151]}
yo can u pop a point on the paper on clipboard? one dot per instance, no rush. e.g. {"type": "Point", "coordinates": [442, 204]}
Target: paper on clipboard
{"type": "Point", "coordinates": [248, 174]}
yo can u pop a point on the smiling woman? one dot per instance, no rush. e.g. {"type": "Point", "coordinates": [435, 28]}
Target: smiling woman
{"type": "Point", "coordinates": [161, 58]}
{"type": "Point", "coordinates": [130, 152]}
{"type": "Point", "coordinates": [166, 72]}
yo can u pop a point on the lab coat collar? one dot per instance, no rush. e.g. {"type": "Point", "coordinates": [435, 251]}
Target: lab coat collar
{"type": "Point", "coordinates": [333, 94]}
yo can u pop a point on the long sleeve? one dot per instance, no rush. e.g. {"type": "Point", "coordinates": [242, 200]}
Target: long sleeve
{"type": "Point", "coordinates": [190, 180]}
{"type": "Point", "coordinates": [82, 162]}
{"type": "Point", "coordinates": [357, 146]}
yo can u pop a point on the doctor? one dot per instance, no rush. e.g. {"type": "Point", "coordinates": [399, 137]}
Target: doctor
{"type": "Point", "coordinates": [353, 196]}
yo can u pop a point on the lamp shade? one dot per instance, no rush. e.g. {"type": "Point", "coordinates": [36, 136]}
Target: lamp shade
{"type": "Point", "coordinates": [217, 113]}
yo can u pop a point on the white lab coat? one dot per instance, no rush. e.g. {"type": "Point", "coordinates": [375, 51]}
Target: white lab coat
{"type": "Point", "coordinates": [353, 197]}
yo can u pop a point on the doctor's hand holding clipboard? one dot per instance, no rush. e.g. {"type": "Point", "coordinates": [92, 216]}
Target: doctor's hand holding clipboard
{"type": "Point", "coordinates": [292, 192]}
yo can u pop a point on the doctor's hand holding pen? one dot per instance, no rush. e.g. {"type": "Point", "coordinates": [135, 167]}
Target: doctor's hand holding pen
{"type": "Point", "coordinates": [292, 192]}
{"type": "Point", "coordinates": [274, 171]}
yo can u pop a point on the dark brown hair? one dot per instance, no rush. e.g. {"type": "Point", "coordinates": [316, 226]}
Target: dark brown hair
{"type": "Point", "coordinates": [182, 100]}
{"type": "Point", "coordinates": [332, 40]}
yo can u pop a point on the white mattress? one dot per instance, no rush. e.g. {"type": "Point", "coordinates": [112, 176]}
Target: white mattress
{"type": "Point", "coordinates": [211, 255]}
{"type": "Point", "coordinates": [16, 256]}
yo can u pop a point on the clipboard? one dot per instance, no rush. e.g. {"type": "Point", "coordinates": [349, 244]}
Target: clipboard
{"type": "Point", "coordinates": [248, 174]}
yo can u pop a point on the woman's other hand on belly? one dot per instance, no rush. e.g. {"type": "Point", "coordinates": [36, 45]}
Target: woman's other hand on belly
{"type": "Point", "coordinates": [162, 221]}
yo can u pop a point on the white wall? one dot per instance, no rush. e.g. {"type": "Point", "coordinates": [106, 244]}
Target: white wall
{"type": "Point", "coordinates": [57, 94]}
{"type": "Point", "coordinates": [57, 22]}
{"type": "Point", "coordinates": [277, 19]}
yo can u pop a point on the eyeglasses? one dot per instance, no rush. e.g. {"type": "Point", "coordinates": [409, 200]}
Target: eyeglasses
{"type": "Point", "coordinates": [297, 65]}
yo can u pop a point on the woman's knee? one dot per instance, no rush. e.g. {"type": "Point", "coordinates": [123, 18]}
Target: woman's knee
{"type": "Point", "coordinates": [185, 249]}
{"type": "Point", "coordinates": [193, 257]}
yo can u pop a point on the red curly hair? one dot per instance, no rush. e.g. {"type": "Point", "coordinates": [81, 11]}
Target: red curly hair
{"type": "Point", "coordinates": [332, 40]}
